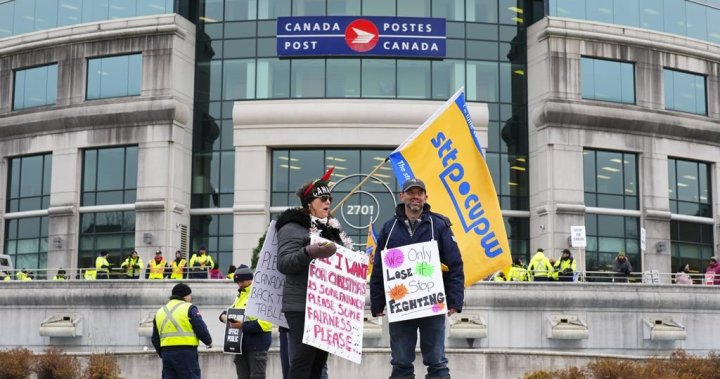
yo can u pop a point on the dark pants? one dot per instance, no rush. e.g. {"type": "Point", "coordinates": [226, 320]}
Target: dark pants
{"type": "Point", "coordinates": [307, 361]}
{"type": "Point", "coordinates": [180, 364]}
{"type": "Point", "coordinates": [541, 279]}
{"type": "Point", "coordinates": [403, 338]}
{"type": "Point", "coordinates": [251, 364]}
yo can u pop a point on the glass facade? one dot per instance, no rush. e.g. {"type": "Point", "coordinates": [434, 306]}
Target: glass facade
{"type": "Point", "coordinates": [28, 189]}
{"type": "Point", "coordinates": [375, 203]}
{"type": "Point", "coordinates": [690, 192]}
{"type": "Point", "coordinates": [109, 176]}
{"type": "Point", "coordinates": [684, 92]}
{"type": "Point", "coordinates": [116, 76]}
{"type": "Point", "coordinates": [607, 80]}
{"type": "Point", "coordinates": [25, 16]}
{"type": "Point", "coordinates": [111, 231]}
{"type": "Point", "coordinates": [689, 188]}
{"type": "Point", "coordinates": [215, 232]}
{"type": "Point", "coordinates": [691, 244]}
{"type": "Point", "coordinates": [35, 87]}
{"type": "Point", "coordinates": [610, 179]}
{"type": "Point", "coordinates": [694, 19]}
{"type": "Point", "coordinates": [608, 235]}
{"type": "Point", "coordinates": [29, 183]}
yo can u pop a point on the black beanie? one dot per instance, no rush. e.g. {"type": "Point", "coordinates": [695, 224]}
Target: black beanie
{"type": "Point", "coordinates": [243, 273]}
{"type": "Point", "coordinates": [181, 290]}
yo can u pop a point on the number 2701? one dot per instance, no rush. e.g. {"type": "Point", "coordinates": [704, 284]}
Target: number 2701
{"type": "Point", "coordinates": [360, 209]}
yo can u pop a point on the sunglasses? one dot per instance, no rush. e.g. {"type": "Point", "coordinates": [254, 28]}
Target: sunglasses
{"type": "Point", "coordinates": [325, 198]}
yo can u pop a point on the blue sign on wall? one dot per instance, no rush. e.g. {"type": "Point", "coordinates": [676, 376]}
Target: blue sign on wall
{"type": "Point", "coordinates": [361, 36]}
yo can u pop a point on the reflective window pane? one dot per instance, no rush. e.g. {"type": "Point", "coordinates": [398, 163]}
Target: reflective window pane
{"type": "Point", "coordinates": [307, 78]}
{"type": "Point", "coordinates": [343, 7]}
{"type": "Point", "coordinates": [482, 81]}
{"type": "Point", "coordinates": [610, 179]}
{"type": "Point", "coordinates": [238, 79]}
{"type": "Point", "coordinates": [413, 8]}
{"type": "Point", "coordinates": [684, 92]}
{"type": "Point", "coordinates": [29, 183]}
{"type": "Point", "coordinates": [607, 80]}
{"type": "Point", "coordinates": [114, 76]}
{"type": "Point", "coordinates": [413, 79]}
{"type": "Point", "coordinates": [449, 10]}
{"type": "Point", "coordinates": [240, 10]}
{"type": "Point", "coordinates": [35, 87]}
{"type": "Point", "coordinates": [102, 184]}
{"type": "Point", "coordinates": [378, 78]}
{"type": "Point", "coordinates": [273, 79]}
{"type": "Point", "coordinates": [481, 10]}
{"type": "Point", "coordinates": [111, 231]}
{"type": "Point", "coordinates": [26, 243]}
{"type": "Point", "coordinates": [343, 78]}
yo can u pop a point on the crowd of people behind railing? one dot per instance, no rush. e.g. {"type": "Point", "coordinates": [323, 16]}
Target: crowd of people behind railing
{"type": "Point", "coordinates": [544, 269]}
{"type": "Point", "coordinates": [200, 266]}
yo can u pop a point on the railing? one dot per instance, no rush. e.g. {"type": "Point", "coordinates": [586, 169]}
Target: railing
{"type": "Point", "coordinates": [648, 277]}
{"type": "Point", "coordinates": [80, 274]}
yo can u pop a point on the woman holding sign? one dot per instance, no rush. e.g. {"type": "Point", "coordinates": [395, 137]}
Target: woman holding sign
{"type": "Point", "coordinates": [295, 253]}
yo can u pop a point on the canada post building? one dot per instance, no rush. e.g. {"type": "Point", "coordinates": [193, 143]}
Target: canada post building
{"type": "Point", "coordinates": [173, 124]}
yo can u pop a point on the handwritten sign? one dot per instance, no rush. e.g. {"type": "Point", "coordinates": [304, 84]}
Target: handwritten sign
{"type": "Point", "coordinates": [413, 281]}
{"type": "Point", "coordinates": [233, 336]}
{"type": "Point", "coordinates": [336, 303]}
{"type": "Point", "coordinates": [265, 301]}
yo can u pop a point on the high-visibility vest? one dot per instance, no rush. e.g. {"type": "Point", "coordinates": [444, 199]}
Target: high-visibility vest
{"type": "Point", "coordinates": [100, 262]}
{"type": "Point", "coordinates": [59, 277]}
{"type": "Point", "coordinates": [130, 264]}
{"type": "Point", "coordinates": [173, 324]}
{"type": "Point", "coordinates": [202, 261]}
{"type": "Point", "coordinates": [157, 270]}
{"type": "Point", "coordinates": [518, 274]}
{"type": "Point", "coordinates": [178, 270]}
{"type": "Point", "coordinates": [22, 276]}
{"type": "Point", "coordinates": [90, 275]}
{"type": "Point", "coordinates": [241, 302]}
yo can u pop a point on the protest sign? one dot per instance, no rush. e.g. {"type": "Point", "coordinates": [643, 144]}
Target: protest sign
{"type": "Point", "coordinates": [336, 303]}
{"type": "Point", "coordinates": [265, 301]}
{"type": "Point", "coordinates": [413, 281]}
{"type": "Point", "coordinates": [233, 336]}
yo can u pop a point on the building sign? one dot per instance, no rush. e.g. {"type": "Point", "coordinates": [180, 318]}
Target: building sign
{"type": "Point", "coordinates": [577, 236]}
{"type": "Point", "coordinates": [360, 36]}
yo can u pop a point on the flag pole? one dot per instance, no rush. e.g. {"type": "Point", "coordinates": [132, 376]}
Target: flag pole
{"type": "Point", "coordinates": [358, 186]}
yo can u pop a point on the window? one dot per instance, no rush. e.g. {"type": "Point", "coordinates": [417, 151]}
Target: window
{"type": "Point", "coordinates": [607, 80]}
{"type": "Point", "coordinates": [111, 231]}
{"type": "Point", "coordinates": [293, 168]}
{"type": "Point", "coordinates": [35, 87]}
{"type": "Point", "coordinates": [689, 188]}
{"type": "Point", "coordinates": [607, 236]}
{"type": "Point", "coordinates": [109, 176]}
{"type": "Point", "coordinates": [215, 232]}
{"type": "Point", "coordinates": [692, 244]}
{"type": "Point", "coordinates": [610, 179]}
{"type": "Point", "coordinates": [29, 183]}
{"type": "Point", "coordinates": [26, 242]}
{"type": "Point", "coordinates": [684, 92]}
{"type": "Point", "coordinates": [114, 76]}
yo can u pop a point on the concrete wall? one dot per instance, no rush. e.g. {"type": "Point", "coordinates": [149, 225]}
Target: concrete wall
{"type": "Point", "coordinates": [562, 124]}
{"type": "Point", "coordinates": [615, 318]}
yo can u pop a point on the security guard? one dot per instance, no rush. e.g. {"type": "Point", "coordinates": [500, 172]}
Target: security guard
{"type": "Point", "coordinates": [201, 263]}
{"type": "Point", "coordinates": [177, 330]}
{"type": "Point", "coordinates": [133, 266]}
{"type": "Point", "coordinates": [102, 266]}
{"type": "Point", "coordinates": [61, 275]}
{"type": "Point", "coordinates": [157, 266]}
{"type": "Point", "coordinates": [178, 266]}
{"type": "Point", "coordinates": [23, 275]}
{"type": "Point", "coordinates": [518, 273]}
{"type": "Point", "coordinates": [540, 268]}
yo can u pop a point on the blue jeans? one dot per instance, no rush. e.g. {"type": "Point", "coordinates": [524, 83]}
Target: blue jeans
{"type": "Point", "coordinates": [180, 364]}
{"type": "Point", "coordinates": [403, 338]}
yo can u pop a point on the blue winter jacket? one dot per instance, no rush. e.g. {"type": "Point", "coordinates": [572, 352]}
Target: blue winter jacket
{"type": "Point", "coordinates": [453, 279]}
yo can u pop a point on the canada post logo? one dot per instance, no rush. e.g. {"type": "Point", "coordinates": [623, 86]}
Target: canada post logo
{"type": "Point", "coordinates": [361, 36]}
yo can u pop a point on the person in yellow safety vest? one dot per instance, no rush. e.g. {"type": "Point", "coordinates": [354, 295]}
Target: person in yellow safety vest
{"type": "Point", "coordinates": [23, 275]}
{"type": "Point", "coordinates": [60, 275]}
{"type": "Point", "coordinates": [178, 266]}
{"type": "Point", "coordinates": [499, 277]}
{"type": "Point", "coordinates": [157, 266]}
{"type": "Point", "coordinates": [4, 276]}
{"type": "Point", "coordinates": [178, 329]}
{"type": "Point", "coordinates": [90, 274]}
{"type": "Point", "coordinates": [518, 273]}
{"type": "Point", "coordinates": [256, 336]}
{"type": "Point", "coordinates": [565, 267]}
{"type": "Point", "coordinates": [102, 266]}
{"type": "Point", "coordinates": [133, 265]}
{"type": "Point", "coordinates": [540, 268]}
{"type": "Point", "coordinates": [231, 272]}
{"type": "Point", "coordinates": [201, 263]}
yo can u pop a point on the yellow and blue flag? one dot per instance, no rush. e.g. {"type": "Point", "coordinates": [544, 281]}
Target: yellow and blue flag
{"type": "Point", "coordinates": [370, 248]}
{"type": "Point", "coordinates": [445, 154]}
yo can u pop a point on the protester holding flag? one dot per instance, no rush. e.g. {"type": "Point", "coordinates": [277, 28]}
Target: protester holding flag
{"type": "Point", "coordinates": [295, 253]}
{"type": "Point", "coordinates": [415, 223]}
